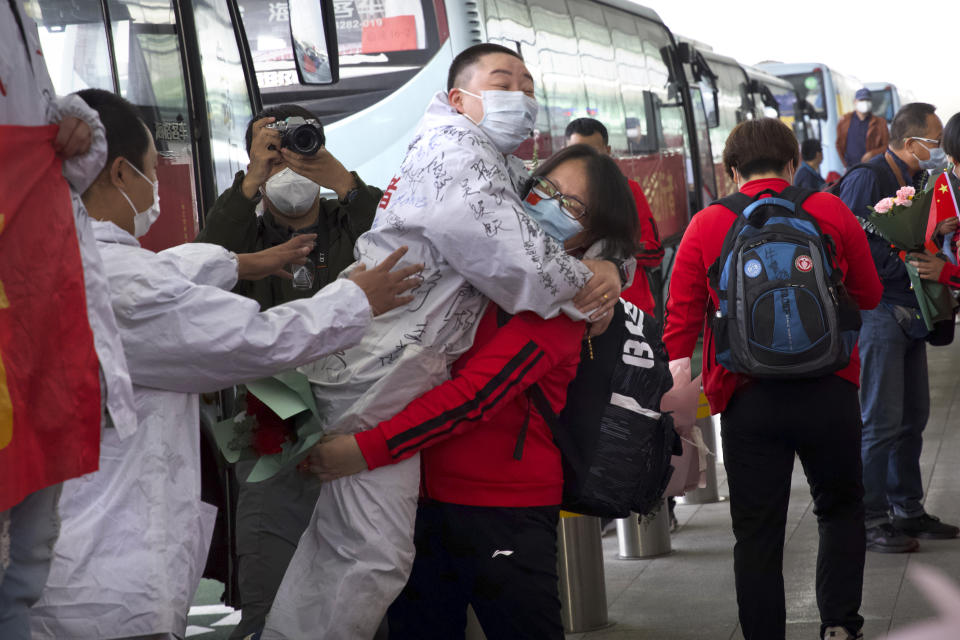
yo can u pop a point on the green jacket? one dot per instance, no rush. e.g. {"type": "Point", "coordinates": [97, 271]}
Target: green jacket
{"type": "Point", "coordinates": [233, 223]}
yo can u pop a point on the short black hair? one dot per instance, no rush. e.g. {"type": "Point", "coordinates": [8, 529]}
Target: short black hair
{"type": "Point", "coordinates": [469, 56]}
{"type": "Point", "coordinates": [280, 112]}
{"type": "Point", "coordinates": [951, 137]}
{"type": "Point", "coordinates": [809, 149]}
{"type": "Point", "coordinates": [125, 130]}
{"type": "Point", "coordinates": [758, 146]}
{"type": "Point", "coordinates": [587, 127]}
{"type": "Point", "coordinates": [611, 207]}
{"type": "Point", "coordinates": [910, 121]}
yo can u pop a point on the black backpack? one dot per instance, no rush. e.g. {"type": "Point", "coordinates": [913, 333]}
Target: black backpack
{"type": "Point", "coordinates": [614, 442]}
{"type": "Point", "coordinates": [876, 170]}
{"type": "Point", "coordinates": [783, 310]}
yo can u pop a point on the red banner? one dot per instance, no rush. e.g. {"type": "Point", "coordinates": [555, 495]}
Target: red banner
{"type": "Point", "coordinates": [380, 35]}
{"type": "Point", "coordinates": [49, 381]}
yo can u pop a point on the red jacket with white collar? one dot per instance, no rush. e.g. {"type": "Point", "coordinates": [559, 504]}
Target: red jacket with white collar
{"type": "Point", "coordinates": [700, 248]}
{"type": "Point", "coordinates": [467, 428]}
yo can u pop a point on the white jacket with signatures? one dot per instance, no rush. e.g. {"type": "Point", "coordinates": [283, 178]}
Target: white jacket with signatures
{"type": "Point", "coordinates": [454, 202]}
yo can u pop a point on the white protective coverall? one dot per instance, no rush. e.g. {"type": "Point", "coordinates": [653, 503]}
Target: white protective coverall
{"type": "Point", "coordinates": [28, 99]}
{"type": "Point", "coordinates": [135, 533]}
{"type": "Point", "coordinates": [455, 204]}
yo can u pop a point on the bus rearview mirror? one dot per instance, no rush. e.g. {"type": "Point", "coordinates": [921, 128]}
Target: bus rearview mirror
{"type": "Point", "coordinates": [314, 35]}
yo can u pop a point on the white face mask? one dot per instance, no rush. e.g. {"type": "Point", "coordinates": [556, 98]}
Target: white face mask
{"type": "Point", "coordinates": [864, 106]}
{"type": "Point", "coordinates": [143, 220]}
{"type": "Point", "coordinates": [508, 117]}
{"type": "Point", "coordinates": [292, 194]}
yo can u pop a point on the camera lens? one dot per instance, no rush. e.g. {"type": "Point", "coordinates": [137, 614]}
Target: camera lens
{"type": "Point", "coordinates": [305, 140]}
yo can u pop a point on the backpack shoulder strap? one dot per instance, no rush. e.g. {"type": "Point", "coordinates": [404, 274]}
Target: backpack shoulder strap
{"type": "Point", "coordinates": [735, 202]}
{"type": "Point", "coordinates": [540, 401]}
{"type": "Point", "coordinates": [560, 436]}
{"type": "Point", "coordinates": [536, 397]}
{"type": "Point", "coordinates": [873, 168]}
{"type": "Point", "coordinates": [797, 195]}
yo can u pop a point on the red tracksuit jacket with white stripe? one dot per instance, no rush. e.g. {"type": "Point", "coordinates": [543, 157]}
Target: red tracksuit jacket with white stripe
{"type": "Point", "coordinates": [467, 428]}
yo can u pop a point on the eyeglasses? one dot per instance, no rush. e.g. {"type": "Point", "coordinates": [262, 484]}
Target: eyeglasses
{"type": "Point", "coordinates": [570, 205]}
{"type": "Point", "coordinates": [933, 142]}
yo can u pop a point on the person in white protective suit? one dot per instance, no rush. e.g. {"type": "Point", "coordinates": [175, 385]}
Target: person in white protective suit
{"type": "Point", "coordinates": [455, 203]}
{"type": "Point", "coordinates": [28, 99]}
{"type": "Point", "coordinates": [135, 533]}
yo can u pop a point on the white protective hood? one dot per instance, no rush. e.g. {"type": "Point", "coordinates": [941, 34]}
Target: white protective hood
{"type": "Point", "coordinates": [134, 534]}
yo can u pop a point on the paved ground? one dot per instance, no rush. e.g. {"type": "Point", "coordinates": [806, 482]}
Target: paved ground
{"type": "Point", "coordinates": [689, 594]}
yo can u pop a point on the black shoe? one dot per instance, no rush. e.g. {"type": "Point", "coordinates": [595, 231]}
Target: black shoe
{"type": "Point", "coordinates": [884, 538]}
{"type": "Point", "coordinates": [926, 526]}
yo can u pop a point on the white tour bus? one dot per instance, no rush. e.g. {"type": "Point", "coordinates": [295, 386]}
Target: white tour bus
{"type": "Point", "coordinates": [825, 95]}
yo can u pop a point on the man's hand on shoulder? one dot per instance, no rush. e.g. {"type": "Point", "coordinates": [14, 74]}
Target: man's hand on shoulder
{"type": "Point", "coordinates": [264, 153]}
{"type": "Point", "coordinates": [323, 168]}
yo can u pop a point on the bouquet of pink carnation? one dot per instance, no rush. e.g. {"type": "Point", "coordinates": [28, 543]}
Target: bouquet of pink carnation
{"type": "Point", "coordinates": [904, 198]}
{"type": "Point", "coordinates": [903, 222]}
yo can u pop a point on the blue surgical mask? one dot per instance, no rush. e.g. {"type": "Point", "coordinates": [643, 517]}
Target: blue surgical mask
{"type": "Point", "coordinates": [508, 117]}
{"type": "Point", "coordinates": [551, 218]}
{"type": "Point", "coordinates": [936, 162]}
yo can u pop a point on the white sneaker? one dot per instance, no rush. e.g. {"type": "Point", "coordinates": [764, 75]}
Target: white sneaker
{"type": "Point", "coordinates": [839, 633]}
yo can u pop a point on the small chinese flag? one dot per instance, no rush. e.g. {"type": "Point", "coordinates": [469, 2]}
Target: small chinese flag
{"type": "Point", "coordinates": [942, 207]}
{"type": "Point", "coordinates": [49, 380]}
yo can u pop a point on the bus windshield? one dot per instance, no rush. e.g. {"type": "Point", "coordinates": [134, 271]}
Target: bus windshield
{"type": "Point", "coordinates": [809, 87]}
{"type": "Point", "coordinates": [786, 100]}
{"type": "Point", "coordinates": [882, 100]}
{"type": "Point", "coordinates": [370, 33]}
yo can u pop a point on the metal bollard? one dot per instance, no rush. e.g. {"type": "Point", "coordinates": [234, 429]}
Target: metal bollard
{"type": "Point", "coordinates": [583, 592]}
{"type": "Point", "coordinates": [710, 493]}
{"type": "Point", "coordinates": [648, 538]}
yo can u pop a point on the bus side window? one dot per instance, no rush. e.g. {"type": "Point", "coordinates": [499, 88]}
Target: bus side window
{"type": "Point", "coordinates": [75, 43]}
{"type": "Point", "coordinates": [597, 62]}
{"type": "Point", "coordinates": [559, 69]}
{"type": "Point", "coordinates": [146, 43]}
{"type": "Point", "coordinates": [228, 103]}
{"type": "Point", "coordinates": [634, 81]}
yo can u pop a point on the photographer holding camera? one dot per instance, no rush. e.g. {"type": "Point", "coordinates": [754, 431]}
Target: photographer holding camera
{"type": "Point", "coordinates": [271, 515]}
{"type": "Point", "coordinates": [288, 184]}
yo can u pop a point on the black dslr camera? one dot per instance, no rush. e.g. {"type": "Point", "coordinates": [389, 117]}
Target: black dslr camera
{"type": "Point", "coordinates": [303, 136]}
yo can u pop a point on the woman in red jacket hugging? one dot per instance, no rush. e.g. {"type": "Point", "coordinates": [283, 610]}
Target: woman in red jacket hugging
{"type": "Point", "coordinates": [764, 423]}
{"type": "Point", "coordinates": [486, 530]}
